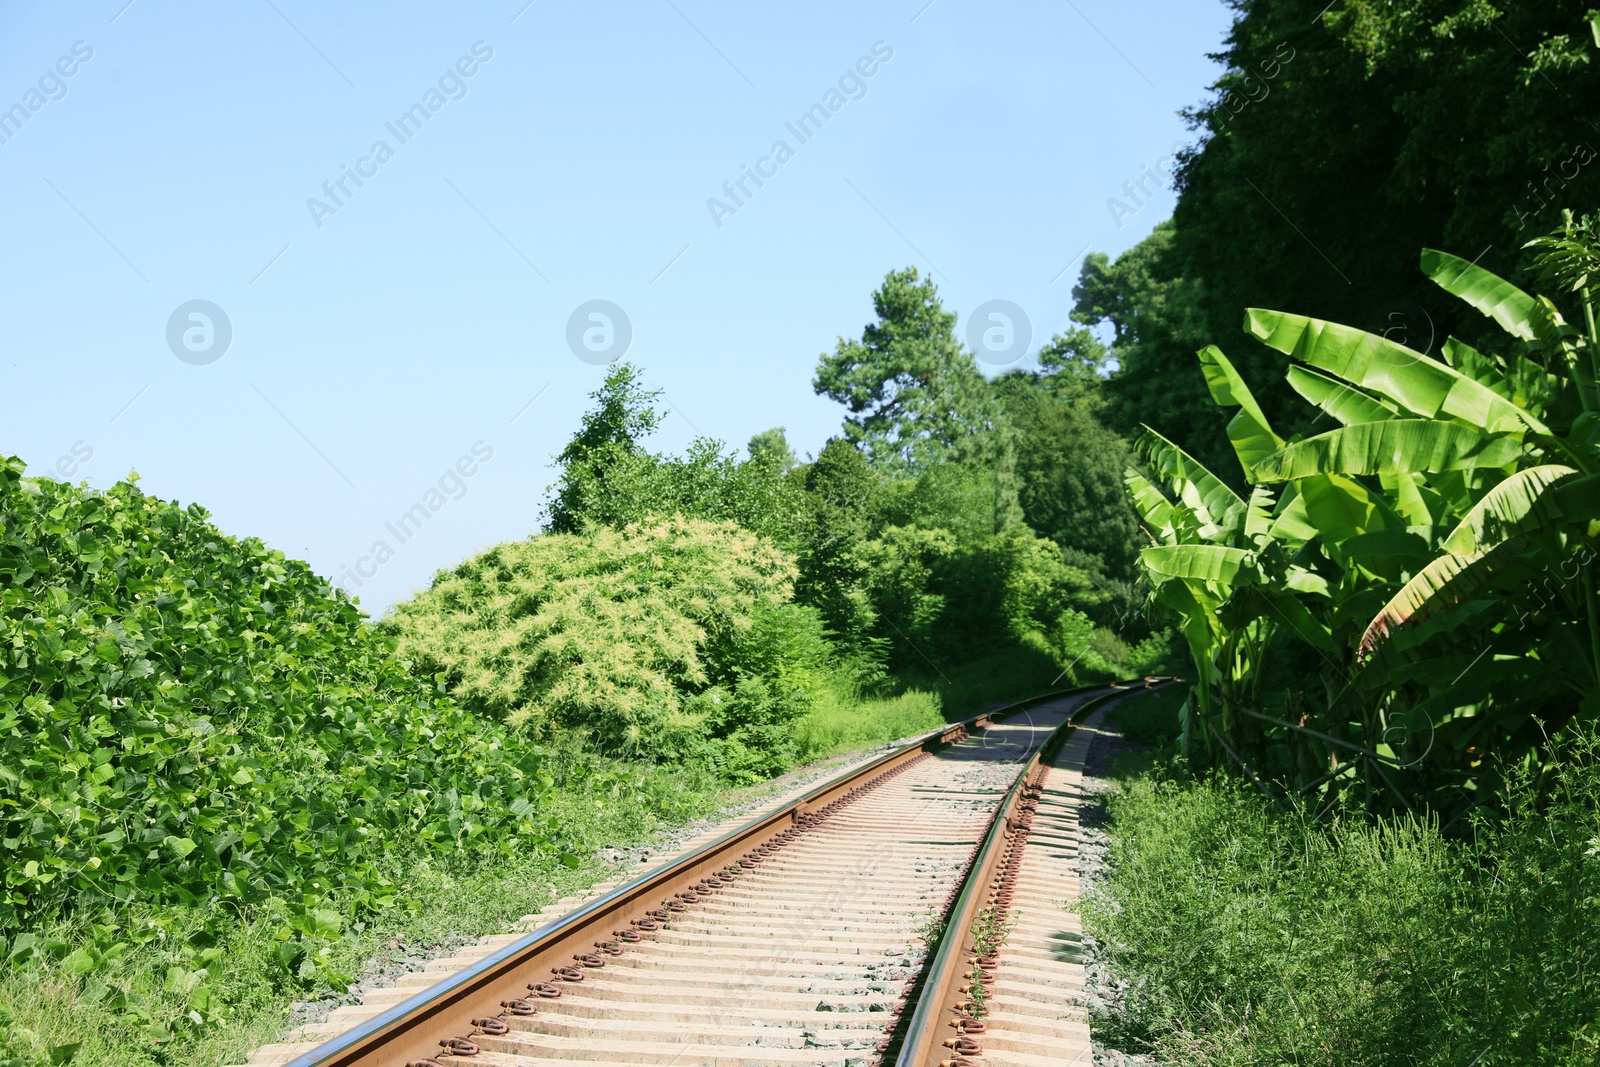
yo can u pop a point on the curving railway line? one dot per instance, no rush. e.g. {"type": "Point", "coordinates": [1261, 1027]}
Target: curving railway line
{"type": "Point", "coordinates": [910, 911]}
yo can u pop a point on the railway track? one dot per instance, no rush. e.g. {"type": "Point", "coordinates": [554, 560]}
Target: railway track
{"type": "Point", "coordinates": [907, 912]}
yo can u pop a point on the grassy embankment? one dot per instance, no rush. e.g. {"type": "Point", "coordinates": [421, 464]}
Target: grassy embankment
{"type": "Point", "coordinates": [1249, 934]}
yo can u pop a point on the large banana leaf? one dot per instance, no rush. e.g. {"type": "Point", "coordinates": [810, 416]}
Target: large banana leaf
{"type": "Point", "coordinates": [1258, 514]}
{"type": "Point", "coordinates": [1213, 503]}
{"type": "Point", "coordinates": [1196, 613]}
{"type": "Point", "coordinates": [1442, 584]}
{"type": "Point", "coordinates": [1481, 368]}
{"type": "Point", "coordinates": [1422, 386]}
{"type": "Point", "coordinates": [1202, 563]}
{"type": "Point", "coordinates": [1249, 431]}
{"type": "Point", "coordinates": [1302, 580]}
{"type": "Point", "coordinates": [1410, 545]}
{"type": "Point", "coordinates": [1340, 508]}
{"type": "Point", "coordinates": [1411, 445]}
{"type": "Point", "coordinates": [1280, 609]}
{"type": "Point", "coordinates": [1514, 310]}
{"type": "Point", "coordinates": [1345, 403]}
{"type": "Point", "coordinates": [1151, 503]}
{"type": "Point", "coordinates": [1405, 490]}
{"type": "Point", "coordinates": [1519, 505]}
{"type": "Point", "coordinates": [1519, 379]}
{"type": "Point", "coordinates": [1292, 524]}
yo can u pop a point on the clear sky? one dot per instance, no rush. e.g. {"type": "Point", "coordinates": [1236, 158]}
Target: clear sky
{"type": "Point", "coordinates": [379, 327]}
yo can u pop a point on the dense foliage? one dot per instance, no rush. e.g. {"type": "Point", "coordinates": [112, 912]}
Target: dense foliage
{"type": "Point", "coordinates": [1334, 147]}
{"type": "Point", "coordinates": [912, 548]}
{"type": "Point", "coordinates": [1396, 548]}
{"type": "Point", "coordinates": [194, 724]}
{"type": "Point", "coordinates": [608, 477]}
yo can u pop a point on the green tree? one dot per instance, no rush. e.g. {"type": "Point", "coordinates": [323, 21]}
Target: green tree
{"type": "Point", "coordinates": [1157, 323]}
{"type": "Point", "coordinates": [610, 479]}
{"type": "Point", "coordinates": [624, 413]}
{"type": "Point", "coordinates": [1074, 365]}
{"type": "Point", "coordinates": [914, 393]}
{"type": "Point", "coordinates": [773, 446]}
{"type": "Point", "coordinates": [844, 497]}
{"type": "Point", "coordinates": [1069, 470]}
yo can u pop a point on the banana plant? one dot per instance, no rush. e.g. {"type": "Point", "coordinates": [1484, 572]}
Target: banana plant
{"type": "Point", "coordinates": [1216, 565]}
{"type": "Point", "coordinates": [1480, 472]}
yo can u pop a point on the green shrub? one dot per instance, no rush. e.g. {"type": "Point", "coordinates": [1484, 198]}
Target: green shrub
{"type": "Point", "coordinates": [1250, 936]}
{"type": "Point", "coordinates": [636, 637]}
{"type": "Point", "coordinates": [938, 598]}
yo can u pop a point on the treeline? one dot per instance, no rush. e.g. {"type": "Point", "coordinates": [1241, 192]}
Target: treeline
{"type": "Point", "coordinates": [694, 607]}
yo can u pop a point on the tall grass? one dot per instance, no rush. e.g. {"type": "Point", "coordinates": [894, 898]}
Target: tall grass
{"type": "Point", "coordinates": [1248, 936]}
{"type": "Point", "coordinates": [838, 722]}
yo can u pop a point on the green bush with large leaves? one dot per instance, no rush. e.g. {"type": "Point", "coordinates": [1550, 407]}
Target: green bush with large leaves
{"type": "Point", "coordinates": [193, 722]}
{"type": "Point", "coordinates": [1430, 554]}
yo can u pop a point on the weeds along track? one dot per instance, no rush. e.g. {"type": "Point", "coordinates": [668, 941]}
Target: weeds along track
{"type": "Point", "coordinates": [802, 937]}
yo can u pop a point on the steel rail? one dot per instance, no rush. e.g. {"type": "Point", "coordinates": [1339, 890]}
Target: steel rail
{"type": "Point", "coordinates": [415, 1029]}
{"type": "Point", "coordinates": [922, 1035]}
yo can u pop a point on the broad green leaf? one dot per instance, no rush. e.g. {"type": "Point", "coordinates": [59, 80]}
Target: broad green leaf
{"type": "Point", "coordinates": [1258, 513]}
{"type": "Point", "coordinates": [1580, 499]}
{"type": "Point", "coordinates": [1474, 364]}
{"type": "Point", "coordinates": [1339, 508]}
{"type": "Point", "coordinates": [79, 961]}
{"type": "Point", "coordinates": [1345, 403]}
{"type": "Point", "coordinates": [1298, 619]}
{"type": "Point", "coordinates": [1252, 436]}
{"type": "Point", "coordinates": [1292, 523]}
{"type": "Point", "coordinates": [1152, 504]}
{"type": "Point", "coordinates": [1441, 585]}
{"type": "Point", "coordinates": [1204, 493]}
{"type": "Point", "coordinates": [1412, 445]}
{"type": "Point", "coordinates": [1206, 563]}
{"type": "Point", "coordinates": [1420, 385]}
{"type": "Point", "coordinates": [1520, 504]}
{"type": "Point", "coordinates": [1196, 612]}
{"type": "Point", "coordinates": [1402, 545]}
{"type": "Point", "coordinates": [1301, 580]}
{"type": "Point", "coordinates": [180, 846]}
{"type": "Point", "coordinates": [23, 947]}
{"type": "Point", "coordinates": [1520, 380]}
{"type": "Point", "coordinates": [1407, 496]}
{"type": "Point", "coordinates": [1510, 307]}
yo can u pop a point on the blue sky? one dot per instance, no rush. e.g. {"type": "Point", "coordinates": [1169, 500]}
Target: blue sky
{"type": "Point", "coordinates": [567, 154]}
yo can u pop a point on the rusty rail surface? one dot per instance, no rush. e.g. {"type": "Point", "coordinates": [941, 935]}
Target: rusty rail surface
{"type": "Point", "coordinates": [444, 1020]}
